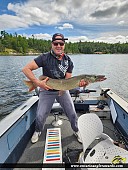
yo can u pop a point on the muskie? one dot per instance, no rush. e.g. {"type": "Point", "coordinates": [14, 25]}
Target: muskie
{"type": "Point", "coordinates": [66, 84]}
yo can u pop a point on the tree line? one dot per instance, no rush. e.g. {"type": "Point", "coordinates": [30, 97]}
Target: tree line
{"type": "Point", "coordinates": [21, 45]}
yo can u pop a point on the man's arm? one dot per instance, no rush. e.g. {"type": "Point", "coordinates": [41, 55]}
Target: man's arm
{"type": "Point", "coordinates": [27, 70]}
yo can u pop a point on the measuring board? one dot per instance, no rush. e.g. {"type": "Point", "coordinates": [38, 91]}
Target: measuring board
{"type": "Point", "coordinates": [53, 149]}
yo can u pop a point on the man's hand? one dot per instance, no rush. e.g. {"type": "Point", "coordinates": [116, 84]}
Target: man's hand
{"type": "Point", "coordinates": [43, 84]}
{"type": "Point", "coordinates": [83, 83]}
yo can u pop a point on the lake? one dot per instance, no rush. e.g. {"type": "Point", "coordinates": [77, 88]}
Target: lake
{"type": "Point", "coordinates": [13, 92]}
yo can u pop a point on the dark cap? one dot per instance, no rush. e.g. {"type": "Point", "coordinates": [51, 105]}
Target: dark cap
{"type": "Point", "coordinates": [58, 34]}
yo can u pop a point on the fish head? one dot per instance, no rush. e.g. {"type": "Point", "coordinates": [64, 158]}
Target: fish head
{"type": "Point", "coordinates": [96, 78]}
{"type": "Point", "coordinates": [100, 78]}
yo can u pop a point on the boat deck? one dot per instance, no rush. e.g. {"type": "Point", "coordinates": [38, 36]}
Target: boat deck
{"type": "Point", "coordinates": [34, 152]}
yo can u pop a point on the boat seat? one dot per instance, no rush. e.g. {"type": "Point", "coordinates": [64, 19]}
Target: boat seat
{"type": "Point", "coordinates": [105, 151]}
{"type": "Point", "coordinates": [56, 111]}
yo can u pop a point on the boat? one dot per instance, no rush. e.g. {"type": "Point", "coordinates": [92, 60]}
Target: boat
{"type": "Point", "coordinates": [109, 113]}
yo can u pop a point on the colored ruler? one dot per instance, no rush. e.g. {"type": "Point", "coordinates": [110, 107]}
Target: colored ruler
{"type": "Point", "coordinates": [53, 149]}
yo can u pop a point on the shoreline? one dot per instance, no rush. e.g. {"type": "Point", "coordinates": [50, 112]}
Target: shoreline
{"type": "Point", "coordinates": [36, 54]}
{"type": "Point", "coordinates": [19, 54]}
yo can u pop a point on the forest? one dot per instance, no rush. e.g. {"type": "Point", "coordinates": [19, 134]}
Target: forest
{"type": "Point", "coordinates": [20, 45]}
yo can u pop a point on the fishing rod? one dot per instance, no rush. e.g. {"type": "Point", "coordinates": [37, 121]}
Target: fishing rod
{"type": "Point", "coordinates": [75, 92]}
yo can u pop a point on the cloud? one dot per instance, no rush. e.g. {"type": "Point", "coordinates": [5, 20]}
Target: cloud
{"type": "Point", "coordinates": [65, 26]}
{"type": "Point", "coordinates": [77, 39]}
{"type": "Point", "coordinates": [82, 13]}
{"type": "Point", "coordinates": [104, 13]}
{"type": "Point", "coordinates": [34, 14]}
{"type": "Point", "coordinates": [54, 12]}
{"type": "Point", "coordinates": [110, 12]}
{"type": "Point", "coordinates": [121, 22]}
{"type": "Point", "coordinates": [111, 38]}
{"type": "Point", "coordinates": [9, 21]}
{"type": "Point", "coordinates": [123, 9]}
{"type": "Point", "coordinates": [107, 39]}
{"type": "Point", "coordinates": [116, 10]}
{"type": "Point", "coordinates": [77, 3]}
{"type": "Point", "coordinates": [44, 36]}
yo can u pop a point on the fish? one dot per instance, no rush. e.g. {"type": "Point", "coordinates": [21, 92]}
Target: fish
{"type": "Point", "coordinates": [66, 84]}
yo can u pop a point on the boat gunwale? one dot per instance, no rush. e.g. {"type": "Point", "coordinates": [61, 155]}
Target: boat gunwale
{"type": "Point", "coordinates": [17, 114]}
{"type": "Point", "coordinates": [119, 100]}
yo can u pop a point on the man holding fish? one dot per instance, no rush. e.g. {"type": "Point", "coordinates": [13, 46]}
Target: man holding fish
{"type": "Point", "coordinates": [56, 65]}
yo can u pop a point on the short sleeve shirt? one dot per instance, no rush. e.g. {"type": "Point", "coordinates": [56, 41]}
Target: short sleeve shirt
{"type": "Point", "coordinates": [52, 67]}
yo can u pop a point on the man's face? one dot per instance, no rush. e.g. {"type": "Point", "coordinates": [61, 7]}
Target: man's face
{"type": "Point", "coordinates": [58, 46]}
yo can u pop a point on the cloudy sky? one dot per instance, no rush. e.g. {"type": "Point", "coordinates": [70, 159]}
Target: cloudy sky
{"type": "Point", "coordinates": [85, 20]}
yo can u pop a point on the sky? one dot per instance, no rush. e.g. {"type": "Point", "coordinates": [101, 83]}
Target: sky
{"type": "Point", "coordinates": [79, 20]}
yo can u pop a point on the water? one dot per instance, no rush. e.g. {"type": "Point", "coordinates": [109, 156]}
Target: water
{"type": "Point", "coordinates": [13, 92]}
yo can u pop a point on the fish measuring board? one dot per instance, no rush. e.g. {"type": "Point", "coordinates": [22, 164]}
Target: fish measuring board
{"type": "Point", "coordinates": [53, 149]}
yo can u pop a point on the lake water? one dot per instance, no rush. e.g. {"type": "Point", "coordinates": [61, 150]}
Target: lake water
{"type": "Point", "coordinates": [13, 92]}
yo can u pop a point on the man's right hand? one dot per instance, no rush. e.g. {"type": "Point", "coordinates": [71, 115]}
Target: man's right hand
{"type": "Point", "coordinates": [43, 84]}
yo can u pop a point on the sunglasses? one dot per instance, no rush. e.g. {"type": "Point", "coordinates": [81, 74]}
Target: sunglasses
{"type": "Point", "coordinates": [56, 43]}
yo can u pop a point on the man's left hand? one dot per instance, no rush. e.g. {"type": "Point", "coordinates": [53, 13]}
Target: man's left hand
{"type": "Point", "coordinates": [83, 83]}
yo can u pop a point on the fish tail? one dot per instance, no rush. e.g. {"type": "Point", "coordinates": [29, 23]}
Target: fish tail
{"type": "Point", "coordinates": [30, 85]}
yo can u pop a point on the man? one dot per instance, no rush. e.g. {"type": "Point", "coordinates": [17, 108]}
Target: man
{"type": "Point", "coordinates": [56, 64]}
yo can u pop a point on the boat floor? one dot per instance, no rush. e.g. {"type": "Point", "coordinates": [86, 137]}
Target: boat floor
{"type": "Point", "coordinates": [34, 152]}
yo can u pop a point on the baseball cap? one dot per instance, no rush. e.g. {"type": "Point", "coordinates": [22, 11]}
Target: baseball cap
{"type": "Point", "coordinates": [58, 34]}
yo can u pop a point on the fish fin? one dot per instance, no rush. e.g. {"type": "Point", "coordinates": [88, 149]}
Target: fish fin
{"type": "Point", "coordinates": [30, 85]}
